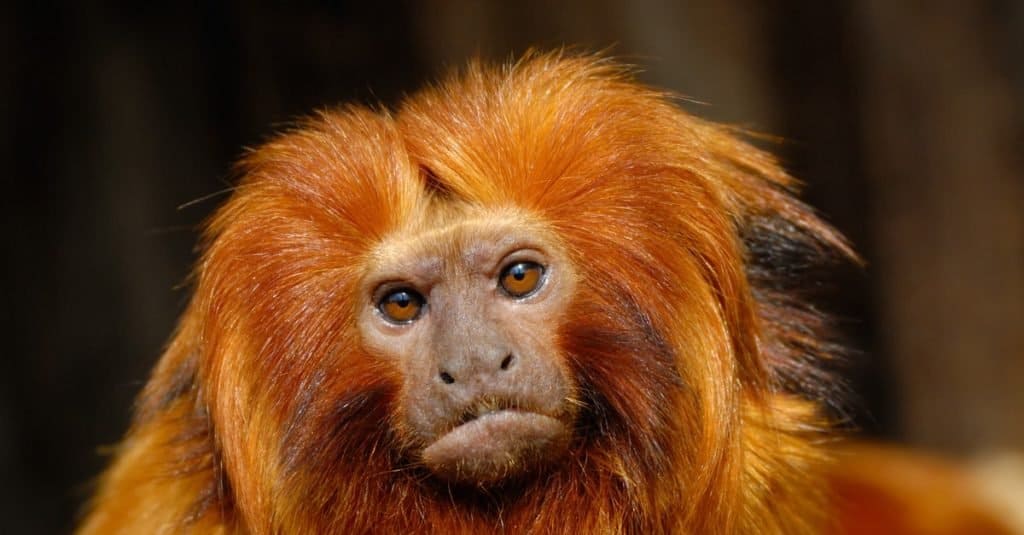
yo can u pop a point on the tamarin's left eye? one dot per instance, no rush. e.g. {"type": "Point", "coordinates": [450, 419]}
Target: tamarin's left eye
{"type": "Point", "coordinates": [521, 279]}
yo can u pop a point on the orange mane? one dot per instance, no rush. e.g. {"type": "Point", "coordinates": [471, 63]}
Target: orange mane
{"type": "Point", "coordinates": [697, 371]}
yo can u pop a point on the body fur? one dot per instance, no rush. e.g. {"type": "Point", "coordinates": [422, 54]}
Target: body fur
{"type": "Point", "coordinates": [696, 368]}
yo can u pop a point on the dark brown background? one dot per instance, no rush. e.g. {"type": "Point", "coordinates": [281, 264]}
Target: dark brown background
{"type": "Point", "coordinates": [904, 118]}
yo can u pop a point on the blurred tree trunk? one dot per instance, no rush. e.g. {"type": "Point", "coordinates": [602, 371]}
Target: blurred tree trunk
{"type": "Point", "coordinates": [943, 139]}
{"type": "Point", "coordinates": [711, 51]}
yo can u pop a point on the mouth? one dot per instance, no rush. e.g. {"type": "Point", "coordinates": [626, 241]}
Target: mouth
{"type": "Point", "coordinates": [495, 444]}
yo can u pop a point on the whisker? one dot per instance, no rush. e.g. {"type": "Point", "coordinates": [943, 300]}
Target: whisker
{"type": "Point", "coordinates": [206, 197]}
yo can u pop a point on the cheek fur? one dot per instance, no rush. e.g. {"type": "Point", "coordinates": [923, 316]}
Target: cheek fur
{"type": "Point", "coordinates": [340, 415]}
{"type": "Point", "coordinates": [628, 381]}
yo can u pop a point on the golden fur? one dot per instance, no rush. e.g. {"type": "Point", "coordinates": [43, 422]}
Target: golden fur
{"type": "Point", "coordinates": [696, 368]}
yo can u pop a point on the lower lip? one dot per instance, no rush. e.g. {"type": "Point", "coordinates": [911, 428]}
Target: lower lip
{"type": "Point", "coordinates": [495, 444]}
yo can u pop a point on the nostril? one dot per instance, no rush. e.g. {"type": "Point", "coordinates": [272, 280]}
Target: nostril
{"type": "Point", "coordinates": [447, 378]}
{"type": "Point", "coordinates": [506, 362]}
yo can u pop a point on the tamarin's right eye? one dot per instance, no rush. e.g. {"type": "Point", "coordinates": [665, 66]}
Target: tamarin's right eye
{"type": "Point", "coordinates": [401, 306]}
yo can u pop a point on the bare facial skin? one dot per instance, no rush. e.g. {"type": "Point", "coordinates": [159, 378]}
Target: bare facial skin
{"type": "Point", "coordinates": [466, 311]}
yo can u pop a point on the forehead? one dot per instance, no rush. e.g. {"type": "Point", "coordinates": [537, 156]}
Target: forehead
{"type": "Point", "coordinates": [468, 238]}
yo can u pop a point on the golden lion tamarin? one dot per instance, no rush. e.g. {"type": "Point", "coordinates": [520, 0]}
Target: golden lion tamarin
{"type": "Point", "coordinates": [538, 298]}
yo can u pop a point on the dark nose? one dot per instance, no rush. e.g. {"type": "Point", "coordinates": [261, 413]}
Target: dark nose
{"type": "Point", "coordinates": [475, 369]}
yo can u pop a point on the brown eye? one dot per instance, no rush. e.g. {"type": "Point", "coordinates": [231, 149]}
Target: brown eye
{"type": "Point", "coordinates": [521, 279]}
{"type": "Point", "coordinates": [401, 306]}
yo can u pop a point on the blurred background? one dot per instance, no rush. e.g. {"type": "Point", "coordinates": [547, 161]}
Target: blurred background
{"type": "Point", "coordinates": [119, 124]}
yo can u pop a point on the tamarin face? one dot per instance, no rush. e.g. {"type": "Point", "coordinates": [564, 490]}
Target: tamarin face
{"type": "Point", "coordinates": [468, 307]}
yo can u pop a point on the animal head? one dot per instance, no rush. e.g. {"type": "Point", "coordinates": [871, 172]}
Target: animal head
{"type": "Point", "coordinates": [539, 294]}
